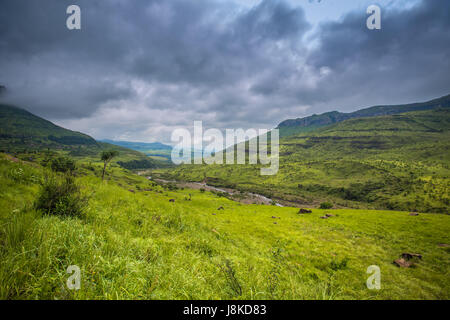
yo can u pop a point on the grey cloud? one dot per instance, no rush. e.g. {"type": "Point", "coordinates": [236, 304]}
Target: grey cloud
{"type": "Point", "coordinates": [407, 60]}
{"type": "Point", "coordinates": [139, 69]}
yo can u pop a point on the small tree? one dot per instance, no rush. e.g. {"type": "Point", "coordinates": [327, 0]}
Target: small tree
{"type": "Point", "coordinates": [107, 156]}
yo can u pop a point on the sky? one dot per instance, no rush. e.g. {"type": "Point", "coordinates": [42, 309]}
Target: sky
{"type": "Point", "coordinates": [138, 70]}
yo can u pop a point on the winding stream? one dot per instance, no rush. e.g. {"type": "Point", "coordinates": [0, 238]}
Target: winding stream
{"type": "Point", "coordinates": [249, 197]}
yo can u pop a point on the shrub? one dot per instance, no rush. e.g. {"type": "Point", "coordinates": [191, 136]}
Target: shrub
{"type": "Point", "coordinates": [63, 164]}
{"type": "Point", "coordinates": [60, 197]}
{"type": "Point", "coordinates": [326, 205]}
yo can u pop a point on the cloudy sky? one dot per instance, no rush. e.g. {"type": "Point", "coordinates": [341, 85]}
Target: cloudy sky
{"type": "Point", "coordinates": [139, 69]}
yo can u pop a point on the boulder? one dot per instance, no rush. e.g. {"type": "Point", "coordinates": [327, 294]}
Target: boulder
{"type": "Point", "coordinates": [402, 263]}
{"type": "Point", "coordinates": [413, 214]}
{"type": "Point", "coordinates": [409, 256]}
{"type": "Point", "coordinates": [301, 211]}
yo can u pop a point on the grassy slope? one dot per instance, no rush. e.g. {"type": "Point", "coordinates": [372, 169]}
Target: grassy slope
{"type": "Point", "coordinates": [391, 162]}
{"type": "Point", "coordinates": [23, 132]}
{"type": "Point", "coordinates": [138, 245]}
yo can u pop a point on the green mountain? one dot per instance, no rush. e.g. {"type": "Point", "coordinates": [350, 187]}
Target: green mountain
{"type": "Point", "coordinates": [22, 132]}
{"type": "Point", "coordinates": [307, 124]}
{"type": "Point", "coordinates": [396, 162]}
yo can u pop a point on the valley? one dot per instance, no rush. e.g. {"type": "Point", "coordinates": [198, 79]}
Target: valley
{"type": "Point", "coordinates": [349, 195]}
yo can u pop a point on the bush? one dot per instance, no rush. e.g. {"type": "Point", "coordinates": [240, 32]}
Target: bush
{"type": "Point", "coordinates": [60, 197]}
{"type": "Point", "coordinates": [63, 164]}
{"type": "Point", "coordinates": [326, 205]}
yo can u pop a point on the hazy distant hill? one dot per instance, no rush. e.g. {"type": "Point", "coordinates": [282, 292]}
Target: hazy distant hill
{"type": "Point", "coordinates": [139, 146]}
{"type": "Point", "coordinates": [22, 131]}
{"type": "Point", "coordinates": [307, 124]}
{"type": "Point", "coordinates": [155, 150]}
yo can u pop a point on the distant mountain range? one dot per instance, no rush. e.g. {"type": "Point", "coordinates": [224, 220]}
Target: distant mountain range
{"type": "Point", "coordinates": [139, 146]}
{"type": "Point", "coordinates": [155, 150]}
{"type": "Point", "coordinates": [307, 124]}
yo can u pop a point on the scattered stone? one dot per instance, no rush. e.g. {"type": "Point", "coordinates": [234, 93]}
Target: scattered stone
{"type": "Point", "coordinates": [324, 217]}
{"type": "Point", "coordinates": [409, 256]}
{"type": "Point", "coordinates": [403, 263]}
{"type": "Point", "coordinates": [304, 211]}
{"type": "Point", "coordinates": [274, 223]}
{"type": "Point", "coordinates": [220, 208]}
{"type": "Point", "coordinates": [329, 215]}
{"type": "Point", "coordinates": [213, 214]}
{"type": "Point", "coordinates": [443, 245]}
{"type": "Point", "coordinates": [273, 217]}
{"type": "Point", "coordinates": [413, 214]}
{"type": "Point", "coordinates": [172, 200]}
{"type": "Point", "coordinates": [132, 191]}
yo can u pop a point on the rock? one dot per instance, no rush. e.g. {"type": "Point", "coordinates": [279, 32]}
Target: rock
{"type": "Point", "coordinates": [220, 208]}
{"type": "Point", "coordinates": [409, 256]}
{"type": "Point", "coordinates": [413, 214]}
{"type": "Point", "coordinates": [443, 245]}
{"type": "Point", "coordinates": [172, 200]}
{"type": "Point", "coordinates": [273, 217]}
{"type": "Point", "coordinates": [304, 211]}
{"type": "Point", "coordinates": [324, 217]}
{"type": "Point", "coordinates": [403, 263]}
{"type": "Point", "coordinates": [329, 215]}
{"type": "Point", "coordinates": [132, 191]}
{"type": "Point", "coordinates": [213, 214]}
{"type": "Point", "coordinates": [274, 223]}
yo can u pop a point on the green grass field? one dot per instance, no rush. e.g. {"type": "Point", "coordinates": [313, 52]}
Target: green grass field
{"type": "Point", "coordinates": [132, 243]}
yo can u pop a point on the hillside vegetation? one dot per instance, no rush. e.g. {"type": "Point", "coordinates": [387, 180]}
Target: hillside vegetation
{"type": "Point", "coordinates": [397, 162]}
{"type": "Point", "coordinates": [22, 132]}
{"type": "Point", "coordinates": [307, 124]}
{"type": "Point", "coordinates": [131, 242]}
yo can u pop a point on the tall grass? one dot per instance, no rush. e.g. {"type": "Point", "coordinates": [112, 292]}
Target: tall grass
{"type": "Point", "coordinates": [138, 245]}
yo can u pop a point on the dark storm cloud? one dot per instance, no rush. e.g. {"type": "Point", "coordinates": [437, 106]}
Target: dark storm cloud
{"type": "Point", "coordinates": [137, 69]}
{"type": "Point", "coordinates": [407, 60]}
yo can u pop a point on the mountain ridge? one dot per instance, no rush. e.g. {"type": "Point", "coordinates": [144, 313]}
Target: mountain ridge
{"type": "Point", "coordinates": [305, 124]}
